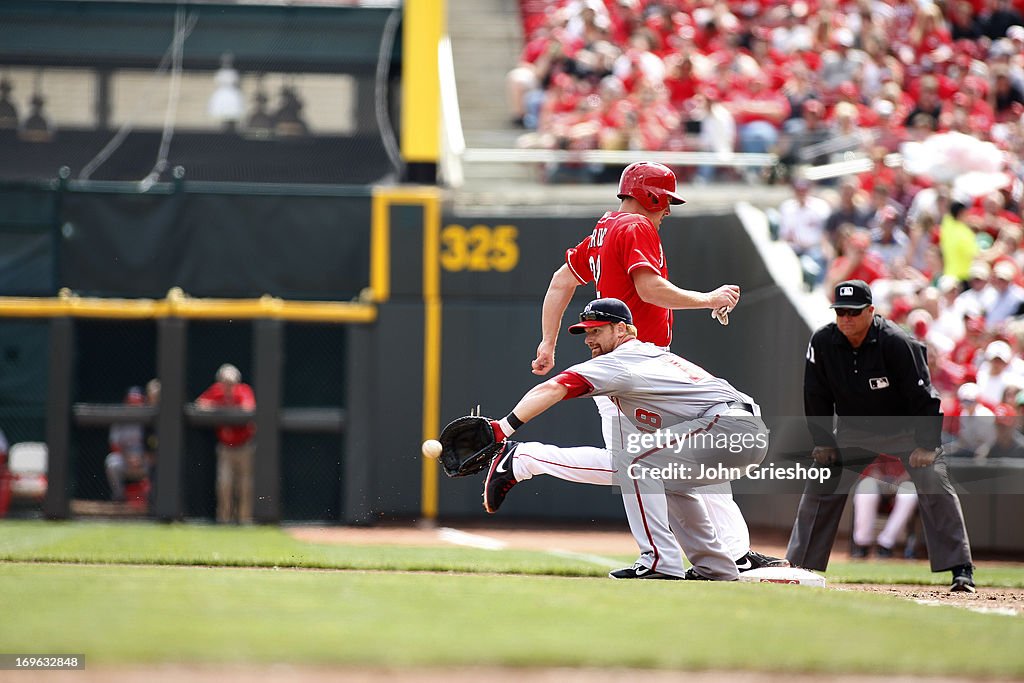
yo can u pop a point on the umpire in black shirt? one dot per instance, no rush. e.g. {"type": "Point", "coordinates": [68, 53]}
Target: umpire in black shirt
{"type": "Point", "coordinates": [868, 372]}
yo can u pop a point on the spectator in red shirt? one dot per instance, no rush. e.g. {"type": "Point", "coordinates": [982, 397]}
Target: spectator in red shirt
{"type": "Point", "coordinates": [759, 113]}
{"type": "Point", "coordinates": [947, 376]}
{"type": "Point", "coordinates": [967, 348]}
{"type": "Point", "coordinates": [662, 26]}
{"type": "Point", "coordinates": [235, 445]}
{"type": "Point", "coordinates": [929, 31]}
{"type": "Point", "coordinates": [968, 112]}
{"type": "Point", "coordinates": [680, 79]}
{"type": "Point", "coordinates": [991, 216]}
{"type": "Point", "coordinates": [527, 76]}
{"type": "Point", "coordinates": [657, 118]}
{"type": "Point", "coordinates": [889, 132]}
{"type": "Point", "coordinates": [855, 261]}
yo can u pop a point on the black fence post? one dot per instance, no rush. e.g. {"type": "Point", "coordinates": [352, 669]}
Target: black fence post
{"type": "Point", "coordinates": [268, 351]}
{"type": "Point", "coordinates": [357, 460]}
{"type": "Point", "coordinates": [57, 503]}
{"type": "Point", "coordinates": [171, 353]}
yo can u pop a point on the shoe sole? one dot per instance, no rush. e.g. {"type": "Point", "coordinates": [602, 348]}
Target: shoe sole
{"type": "Point", "coordinates": [487, 484]}
{"type": "Point", "coordinates": [962, 588]}
{"type": "Point", "coordinates": [657, 575]}
{"type": "Point", "coordinates": [653, 576]}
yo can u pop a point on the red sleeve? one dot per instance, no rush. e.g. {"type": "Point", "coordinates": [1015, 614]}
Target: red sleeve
{"type": "Point", "coordinates": [212, 393]}
{"type": "Point", "coordinates": [575, 383]}
{"type": "Point", "coordinates": [639, 247]}
{"type": "Point", "coordinates": [873, 268]}
{"type": "Point", "coordinates": [246, 399]}
{"type": "Point", "coordinates": [577, 260]}
{"type": "Point", "coordinates": [533, 50]}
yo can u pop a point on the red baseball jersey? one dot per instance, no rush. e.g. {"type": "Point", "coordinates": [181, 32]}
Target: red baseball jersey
{"type": "Point", "coordinates": [621, 243]}
{"type": "Point", "coordinates": [241, 396]}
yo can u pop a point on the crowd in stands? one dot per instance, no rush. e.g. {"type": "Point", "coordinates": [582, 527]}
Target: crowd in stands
{"type": "Point", "coordinates": [820, 81]}
{"type": "Point", "coordinates": [806, 79]}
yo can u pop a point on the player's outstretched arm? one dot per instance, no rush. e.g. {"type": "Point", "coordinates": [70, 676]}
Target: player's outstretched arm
{"type": "Point", "coordinates": [656, 290]}
{"type": "Point", "coordinates": [539, 399]}
{"type": "Point", "coordinates": [560, 290]}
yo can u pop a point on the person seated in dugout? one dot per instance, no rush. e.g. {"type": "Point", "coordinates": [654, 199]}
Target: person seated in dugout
{"type": "Point", "coordinates": [125, 463]}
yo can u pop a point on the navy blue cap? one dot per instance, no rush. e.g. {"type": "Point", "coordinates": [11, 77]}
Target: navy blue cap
{"type": "Point", "coordinates": [602, 312]}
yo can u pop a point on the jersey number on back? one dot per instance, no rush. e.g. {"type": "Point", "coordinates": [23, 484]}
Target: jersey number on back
{"type": "Point", "coordinates": [595, 268]}
{"type": "Point", "coordinates": [648, 418]}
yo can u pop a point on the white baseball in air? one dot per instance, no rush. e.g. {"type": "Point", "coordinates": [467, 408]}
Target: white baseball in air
{"type": "Point", "coordinates": [432, 449]}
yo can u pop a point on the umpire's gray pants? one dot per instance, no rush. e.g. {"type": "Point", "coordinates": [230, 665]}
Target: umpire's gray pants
{"type": "Point", "coordinates": [821, 507]}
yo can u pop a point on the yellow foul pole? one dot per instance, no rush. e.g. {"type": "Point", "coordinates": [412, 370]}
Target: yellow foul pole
{"type": "Point", "coordinates": [422, 28]}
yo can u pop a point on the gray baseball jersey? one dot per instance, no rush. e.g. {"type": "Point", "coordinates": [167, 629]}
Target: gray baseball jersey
{"type": "Point", "coordinates": [653, 388]}
{"type": "Point", "coordinates": [656, 389]}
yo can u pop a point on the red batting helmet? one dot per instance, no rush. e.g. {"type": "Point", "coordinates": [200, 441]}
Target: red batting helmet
{"type": "Point", "coordinates": [650, 184]}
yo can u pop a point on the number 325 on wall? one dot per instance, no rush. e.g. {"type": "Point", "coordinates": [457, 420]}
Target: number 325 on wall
{"type": "Point", "coordinates": [479, 248]}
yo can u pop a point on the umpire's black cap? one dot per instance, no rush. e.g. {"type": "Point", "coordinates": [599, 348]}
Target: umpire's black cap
{"type": "Point", "coordinates": [852, 294]}
{"type": "Point", "coordinates": [602, 312]}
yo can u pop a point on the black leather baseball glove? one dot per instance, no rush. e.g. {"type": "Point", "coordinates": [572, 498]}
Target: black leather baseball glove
{"type": "Point", "coordinates": [468, 444]}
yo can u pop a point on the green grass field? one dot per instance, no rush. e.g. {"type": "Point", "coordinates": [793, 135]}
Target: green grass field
{"type": "Point", "coordinates": [139, 594]}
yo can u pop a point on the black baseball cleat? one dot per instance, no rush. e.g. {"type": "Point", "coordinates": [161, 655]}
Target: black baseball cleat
{"type": "Point", "coordinates": [756, 560]}
{"type": "Point", "coordinates": [963, 579]}
{"type": "Point", "coordinates": [693, 575]}
{"type": "Point", "coordinates": [639, 571]}
{"type": "Point", "coordinates": [500, 479]}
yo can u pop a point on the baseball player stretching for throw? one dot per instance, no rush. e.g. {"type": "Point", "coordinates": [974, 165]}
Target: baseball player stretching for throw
{"type": "Point", "coordinates": [624, 258]}
{"type": "Point", "coordinates": [682, 429]}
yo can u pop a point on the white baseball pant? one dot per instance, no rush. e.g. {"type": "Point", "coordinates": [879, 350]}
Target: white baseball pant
{"type": "Point", "coordinates": [647, 514]}
{"type": "Point", "coordinates": [866, 499]}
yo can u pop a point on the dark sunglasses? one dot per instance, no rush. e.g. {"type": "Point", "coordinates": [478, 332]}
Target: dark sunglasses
{"type": "Point", "coordinates": [851, 312]}
{"type": "Point", "coordinates": [602, 316]}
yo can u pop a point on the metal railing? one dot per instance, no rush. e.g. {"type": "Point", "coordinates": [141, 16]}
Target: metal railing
{"type": "Point", "coordinates": [318, 420]}
{"type": "Point", "coordinates": [623, 157]}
